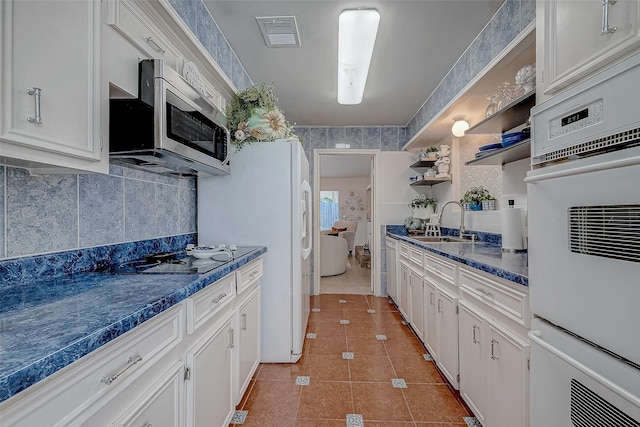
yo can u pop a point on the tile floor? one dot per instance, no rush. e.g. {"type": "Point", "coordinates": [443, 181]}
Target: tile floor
{"type": "Point", "coordinates": [356, 280]}
{"type": "Point", "coordinates": [370, 371]}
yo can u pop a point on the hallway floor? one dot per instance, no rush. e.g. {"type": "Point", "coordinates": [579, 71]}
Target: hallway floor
{"type": "Point", "coordinates": [355, 280]}
{"type": "Point", "coordinates": [360, 366]}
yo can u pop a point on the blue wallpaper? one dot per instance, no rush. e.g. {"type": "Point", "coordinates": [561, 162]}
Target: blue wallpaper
{"type": "Point", "coordinates": [51, 213]}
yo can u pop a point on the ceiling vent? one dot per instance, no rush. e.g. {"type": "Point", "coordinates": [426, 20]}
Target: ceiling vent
{"type": "Point", "coordinates": [279, 31]}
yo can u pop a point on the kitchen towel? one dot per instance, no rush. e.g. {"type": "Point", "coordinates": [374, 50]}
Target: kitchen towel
{"type": "Point", "coordinates": [512, 235]}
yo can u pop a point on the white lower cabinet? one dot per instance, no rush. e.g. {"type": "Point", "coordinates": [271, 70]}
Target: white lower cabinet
{"type": "Point", "coordinates": [475, 326]}
{"type": "Point", "coordinates": [403, 289]}
{"type": "Point", "coordinates": [159, 406]}
{"type": "Point", "coordinates": [431, 330]}
{"type": "Point", "coordinates": [441, 338]}
{"type": "Point", "coordinates": [447, 326]}
{"type": "Point", "coordinates": [416, 297]}
{"type": "Point", "coordinates": [473, 375]}
{"type": "Point", "coordinates": [392, 261]}
{"type": "Point", "coordinates": [187, 366]}
{"type": "Point", "coordinates": [210, 377]}
{"type": "Point", "coordinates": [248, 342]}
{"type": "Point", "coordinates": [494, 350]}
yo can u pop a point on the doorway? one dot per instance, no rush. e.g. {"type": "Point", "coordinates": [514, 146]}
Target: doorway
{"type": "Point", "coordinates": [345, 182]}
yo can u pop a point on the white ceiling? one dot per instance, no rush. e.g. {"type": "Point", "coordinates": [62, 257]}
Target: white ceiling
{"type": "Point", "coordinates": [418, 42]}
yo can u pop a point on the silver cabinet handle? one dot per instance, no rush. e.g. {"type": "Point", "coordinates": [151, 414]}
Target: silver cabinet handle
{"type": "Point", "coordinates": [431, 298]}
{"type": "Point", "coordinates": [484, 292]}
{"type": "Point", "coordinates": [217, 299]}
{"type": "Point", "coordinates": [439, 306]}
{"type": "Point", "coordinates": [147, 425]}
{"type": "Point", "coordinates": [230, 345]}
{"type": "Point", "coordinates": [606, 29]}
{"type": "Point", "coordinates": [493, 354]}
{"type": "Point", "coordinates": [244, 322]}
{"type": "Point", "coordinates": [131, 361]}
{"type": "Point", "coordinates": [37, 94]}
{"type": "Point", "coordinates": [253, 274]}
{"type": "Point", "coordinates": [151, 42]}
{"type": "Point", "coordinates": [475, 341]}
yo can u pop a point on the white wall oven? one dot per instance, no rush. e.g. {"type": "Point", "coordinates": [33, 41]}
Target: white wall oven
{"type": "Point", "coordinates": [584, 253]}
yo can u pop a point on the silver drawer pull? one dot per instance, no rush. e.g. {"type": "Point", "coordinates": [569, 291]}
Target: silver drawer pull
{"type": "Point", "coordinates": [475, 341]}
{"type": "Point", "coordinates": [218, 298]}
{"type": "Point", "coordinates": [151, 42]}
{"type": "Point", "coordinates": [253, 274]}
{"type": "Point", "coordinates": [231, 343]}
{"type": "Point", "coordinates": [244, 322]}
{"type": "Point", "coordinates": [147, 425]}
{"type": "Point", "coordinates": [37, 94]}
{"type": "Point", "coordinates": [131, 361]}
{"type": "Point", "coordinates": [493, 354]}
{"type": "Point", "coordinates": [484, 292]}
{"type": "Point", "coordinates": [439, 306]}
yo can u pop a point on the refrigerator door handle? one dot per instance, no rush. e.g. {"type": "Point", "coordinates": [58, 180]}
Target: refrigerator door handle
{"type": "Point", "coordinates": [306, 220]}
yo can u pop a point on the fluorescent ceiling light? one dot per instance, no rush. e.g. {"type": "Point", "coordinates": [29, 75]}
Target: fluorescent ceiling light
{"type": "Point", "coordinates": [356, 37]}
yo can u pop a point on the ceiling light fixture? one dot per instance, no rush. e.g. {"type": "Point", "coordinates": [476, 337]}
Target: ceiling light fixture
{"type": "Point", "coordinates": [357, 31]}
{"type": "Point", "coordinates": [460, 126]}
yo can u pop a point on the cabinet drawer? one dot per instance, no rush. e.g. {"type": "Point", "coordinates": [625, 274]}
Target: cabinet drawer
{"type": "Point", "coordinates": [504, 299]}
{"type": "Point", "coordinates": [75, 393]}
{"type": "Point", "coordinates": [440, 270]}
{"type": "Point", "coordinates": [129, 21]}
{"type": "Point", "coordinates": [415, 256]}
{"type": "Point", "coordinates": [248, 275]}
{"type": "Point", "coordinates": [403, 250]}
{"type": "Point", "coordinates": [209, 301]}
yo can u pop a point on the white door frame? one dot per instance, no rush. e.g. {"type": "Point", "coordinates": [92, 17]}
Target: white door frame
{"type": "Point", "coordinates": [375, 214]}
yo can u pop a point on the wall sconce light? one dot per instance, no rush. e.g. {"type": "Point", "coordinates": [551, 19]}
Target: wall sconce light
{"type": "Point", "coordinates": [460, 126]}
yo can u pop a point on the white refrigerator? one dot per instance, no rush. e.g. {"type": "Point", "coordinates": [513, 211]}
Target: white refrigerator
{"type": "Point", "coordinates": [266, 201]}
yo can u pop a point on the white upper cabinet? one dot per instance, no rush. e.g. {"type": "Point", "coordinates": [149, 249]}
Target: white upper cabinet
{"type": "Point", "coordinates": [50, 89]}
{"type": "Point", "coordinates": [582, 37]}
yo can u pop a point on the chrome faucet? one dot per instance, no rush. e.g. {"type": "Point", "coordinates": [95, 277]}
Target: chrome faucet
{"type": "Point", "coordinates": [463, 230]}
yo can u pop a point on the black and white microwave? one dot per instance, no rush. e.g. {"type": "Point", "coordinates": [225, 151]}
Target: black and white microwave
{"type": "Point", "coordinates": [170, 128]}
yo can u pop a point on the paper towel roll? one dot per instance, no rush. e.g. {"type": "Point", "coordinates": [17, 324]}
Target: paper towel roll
{"type": "Point", "coordinates": [512, 229]}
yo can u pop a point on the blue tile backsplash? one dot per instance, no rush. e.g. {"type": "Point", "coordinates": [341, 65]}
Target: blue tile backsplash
{"type": "Point", "coordinates": [52, 213]}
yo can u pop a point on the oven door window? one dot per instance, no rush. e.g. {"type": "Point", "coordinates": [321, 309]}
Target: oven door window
{"type": "Point", "coordinates": [196, 131]}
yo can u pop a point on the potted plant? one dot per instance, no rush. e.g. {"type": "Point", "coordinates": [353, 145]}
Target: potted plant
{"type": "Point", "coordinates": [423, 206]}
{"type": "Point", "coordinates": [472, 199]}
{"type": "Point", "coordinates": [253, 115]}
{"type": "Point", "coordinates": [488, 203]}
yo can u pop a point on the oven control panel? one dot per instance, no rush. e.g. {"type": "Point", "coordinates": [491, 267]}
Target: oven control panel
{"type": "Point", "coordinates": [580, 118]}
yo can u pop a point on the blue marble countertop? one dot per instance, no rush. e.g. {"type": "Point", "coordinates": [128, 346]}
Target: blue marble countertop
{"type": "Point", "coordinates": [48, 324]}
{"type": "Point", "coordinates": [487, 257]}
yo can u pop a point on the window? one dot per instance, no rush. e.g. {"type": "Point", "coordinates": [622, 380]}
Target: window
{"type": "Point", "coordinates": [329, 209]}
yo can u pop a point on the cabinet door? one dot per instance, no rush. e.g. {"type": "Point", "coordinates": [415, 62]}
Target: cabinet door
{"type": "Point", "coordinates": [473, 348]}
{"type": "Point", "coordinates": [430, 312]}
{"type": "Point", "coordinates": [447, 324]}
{"type": "Point", "coordinates": [248, 342]}
{"type": "Point", "coordinates": [160, 406]}
{"type": "Point", "coordinates": [392, 280]}
{"type": "Point", "coordinates": [574, 46]}
{"type": "Point", "coordinates": [509, 376]}
{"type": "Point", "coordinates": [53, 46]}
{"type": "Point", "coordinates": [417, 299]}
{"type": "Point", "coordinates": [210, 389]}
{"type": "Point", "coordinates": [404, 290]}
